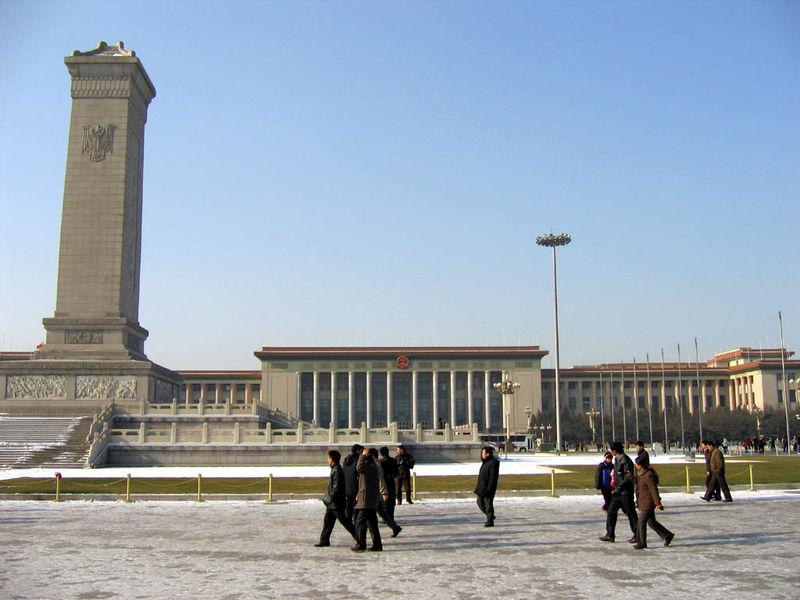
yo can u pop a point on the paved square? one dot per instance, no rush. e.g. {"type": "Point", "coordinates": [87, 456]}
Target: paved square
{"type": "Point", "coordinates": [540, 548]}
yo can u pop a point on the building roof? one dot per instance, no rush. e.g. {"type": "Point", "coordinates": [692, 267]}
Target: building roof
{"type": "Point", "coordinates": [392, 352]}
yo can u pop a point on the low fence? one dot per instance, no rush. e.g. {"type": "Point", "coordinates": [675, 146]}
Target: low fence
{"type": "Point", "coordinates": [197, 487]}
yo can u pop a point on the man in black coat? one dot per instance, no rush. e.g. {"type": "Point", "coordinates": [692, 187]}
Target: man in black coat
{"type": "Point", "coordinates": [487, 484]}
{"type": "Point", "coordinates": [621, 494]}
{"type": "Point", "coordinates": [334, 500]}
{"type": "Point", "coordinates": [405, 463]}
{"type": "Point", "coordinates": [390, 472]}
{"type": "Point", "coordinates": [351, 481]}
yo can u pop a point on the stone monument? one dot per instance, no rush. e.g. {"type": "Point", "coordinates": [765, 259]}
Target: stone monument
{"type": "Point", "coordinates": [94, 349]}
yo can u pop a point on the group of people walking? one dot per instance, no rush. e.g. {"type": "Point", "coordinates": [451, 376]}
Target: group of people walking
{"type": "Point", "coordinates": [371, 483]}
{"type": "Point", "coordinates": [365, 488]}
{"type": "Point", "coordinates": [628, 485]}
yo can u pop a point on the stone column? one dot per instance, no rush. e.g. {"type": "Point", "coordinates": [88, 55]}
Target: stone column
{"type": "Point", "coordinates": [470, 399]}
{"type": "Point", "coordinates": [453, 398]}
{"type": "Point", "coordinates": [388, 397]}
{"type": "Point", "coordinates": [414, 397]}
{"type": "Point", "coordinates": [487, 391]}
{"type": "Point", "coordinates": [350, 401]}
{"type": "Point", "coordinates": [368, 376]}
{"type": "Point", "coordinates": [334, 421]}
{"type": "Point", "coordinates": [435, 394]}
{"type": "Point", "coordinates": [316, 399]}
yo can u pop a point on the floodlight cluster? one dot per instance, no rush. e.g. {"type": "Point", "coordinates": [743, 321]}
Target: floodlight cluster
{"type": "Point", "coordinates": [552, 240]}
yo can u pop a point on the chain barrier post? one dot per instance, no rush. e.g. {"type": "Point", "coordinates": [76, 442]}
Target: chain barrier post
{"type": "Point", "coordinates": [414, 486]}
{"type": "Point", "coordinates": [688, 489]}
{"type": "Point", "coordinates": [128, 488]}
{"type": "Point", "coordinates": [269, 498]}
{"type": "Point", "coordinates": [199, 487]}
{"type": "Point", "coordinates": [553, 483]}
{"type": "Point", "coordinates": [752, 482]}
{"type": "Point", "coordinates": [58, 488]}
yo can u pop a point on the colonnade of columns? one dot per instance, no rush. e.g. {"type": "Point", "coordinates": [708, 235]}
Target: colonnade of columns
{"type": "Point", "coordinates": [218, 395]}
{"type": "Point", "coordinates": [449, 416]}
{"type": "Point", "coordinates": [664, 396]}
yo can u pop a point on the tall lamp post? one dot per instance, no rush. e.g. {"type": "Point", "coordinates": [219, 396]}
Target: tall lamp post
{"type": "Point", "coordinates": [785, 387]}
{"type": "Point", "coordinates": [592, 414]}
{"type": "Point", "coordinates": [553, 241]}
{"type": "Point", "coordinates": [507, 388]}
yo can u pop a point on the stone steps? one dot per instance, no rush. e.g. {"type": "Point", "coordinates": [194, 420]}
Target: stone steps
{"type": "Point", "coordinates": [47, 442]}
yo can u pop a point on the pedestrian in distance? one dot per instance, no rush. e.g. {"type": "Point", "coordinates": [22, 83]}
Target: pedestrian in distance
{"type": "Point", "coordinates": [351, 481]}
{"type": "Point", "coordinates": [649, 501]}
{"type": "Point", "coordinates": [405, 463]}
{"type": "Point", "coordinates": [334, 501]}
{"type": "Point", "coordinates": [487, 484]}
{"type": "Point", "coordinates": [717, 465]}
{"type": "Point", "coordinates": [621, 494]}
{"type": "Point", "coordinates": [367, 503]}
{"type": "Point", "coordinates": [602, 479]}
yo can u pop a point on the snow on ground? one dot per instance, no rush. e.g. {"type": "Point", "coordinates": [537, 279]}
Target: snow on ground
{"type": "Point", "coordinates": [514, 464]}
{"type": "Point", "coordinates": [541, 548]}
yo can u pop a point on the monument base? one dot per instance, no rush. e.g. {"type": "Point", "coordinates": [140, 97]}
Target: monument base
{"type": "Point", "coordinates": [83, 387]}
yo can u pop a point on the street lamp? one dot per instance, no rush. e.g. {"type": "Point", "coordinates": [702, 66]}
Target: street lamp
{"type": "Point", "coordinates": [507, 388]}
{"type": "Point", "coordinates": [592, 414]}
{"type": "Point", "coordinates": [553, 241]}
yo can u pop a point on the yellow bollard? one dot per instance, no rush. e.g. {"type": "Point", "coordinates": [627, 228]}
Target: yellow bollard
{"type": "Point", "coordinates": [269, 497]}
{"type": "Point", "coordinates": [553, 483]}
{"type": "Point", "coordinates": [752, 482]}
{"type": "Point", "coordinates": [58, 488]}
{"type": "Point", "coordinates": [688, 488]}
{"type": "Point", "coordinates": [199, 487]}
{"type": "Point", "coordinates": [128, 488]}
{"type": "Point", "coordinates": [414, 487]}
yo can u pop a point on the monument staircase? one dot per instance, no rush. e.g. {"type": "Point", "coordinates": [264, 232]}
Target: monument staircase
{"type": "Point", "coordinates": [43, 442]}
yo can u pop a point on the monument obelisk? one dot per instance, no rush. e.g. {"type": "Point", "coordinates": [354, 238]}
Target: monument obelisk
{"type": "Point", "coordinates": [97, 302]}
{"type": "Point", "coordinates": [94, 348]}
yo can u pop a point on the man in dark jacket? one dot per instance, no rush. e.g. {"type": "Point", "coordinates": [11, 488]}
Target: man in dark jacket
{"type": "Point", "coordinates": [389, 466]}
{"type": "Point", "coordinates": [405, 462]}
{"type": "Point", "coordinates": [334, 500]}
{"type": "Point", "coordinates": [367, 502]}
{"type": "Point", "coordinates": [487, 484]}
{"type": "Point", "coordinates": [621, 494]}
{"type": "Point", "coordinates": [351, 481]}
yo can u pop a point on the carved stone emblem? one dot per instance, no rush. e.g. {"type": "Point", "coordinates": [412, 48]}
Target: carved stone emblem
{"type": "Point", "coordinates": [97, 141]}
{"type": "Point", "coordinates": [84, 337]}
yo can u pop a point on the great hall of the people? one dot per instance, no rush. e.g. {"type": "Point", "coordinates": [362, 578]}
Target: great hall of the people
{"type": "Point", "coordinates": [455, 385]}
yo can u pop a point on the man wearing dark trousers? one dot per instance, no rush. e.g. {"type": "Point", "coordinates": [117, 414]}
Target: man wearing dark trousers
{"type": "Point", "coordinates": [351, 481]}
{"type": "Point", "coordinates": [367, 502]}
{"type": "Point", "coordinates": [621, 494]}
{"type": "Point", "coordinates": [487, 484]}
{"type": "Point", "coordinates": [717, 464]}
{"type": "Point", "coordinates": [405, 462]}
{"type": "Point", "coordinates": [706, 448]}
{"type": "Point", "coordinates": [334, 502]}
{"type": "Point", "coordinates": [389, 466]}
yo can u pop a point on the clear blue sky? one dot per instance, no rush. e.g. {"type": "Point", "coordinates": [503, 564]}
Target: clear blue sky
{"type": "Point", "coordinates": [376, 173]}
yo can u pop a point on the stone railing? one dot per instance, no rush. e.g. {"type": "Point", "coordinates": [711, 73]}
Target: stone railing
{"type": "Point", "coordinates": [99, 436]}
{"type": "Point", "coordinates": [235, 432]}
